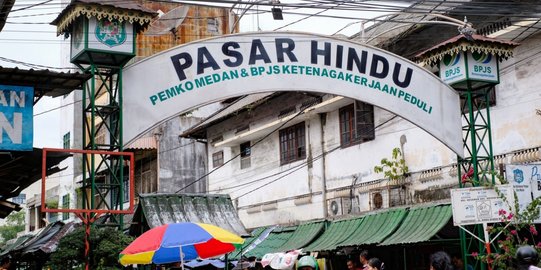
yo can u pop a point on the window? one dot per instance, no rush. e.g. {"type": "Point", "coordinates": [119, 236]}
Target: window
{"type": "Point", "coordinates": [66, 141]}
{"type": "Point", "coordinates": [65, 205]}
{"type": "Point", "coordinates": [218, 159]}
{"type": "Point", "coordinates": [245, 153]}
{"type": "Point", "coordinates": [356, 124]}
{"type": "Point", "coordinates": [126, 188]}
{"type": "Point", "coordinates": [292, 144]}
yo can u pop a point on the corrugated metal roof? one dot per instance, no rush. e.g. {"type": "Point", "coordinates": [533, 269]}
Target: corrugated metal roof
{"type": "Point", "coordinates": [375, 228]}
{"type": "Point", "coordinates": [142, 144]}
{"type": "Point", "coordinates": [51, 245]}
{"type": "Point", "coordinates": [303, 235]}
{"type": "Point", "coordinates": [41, 238]}
{"type": "Point", "coordinates": [420, 225]}
{"type": "Point", "coordinates": [216, 209]}
{"type": "Point", "coordinates": [18, 242]}
{"type": "Point", "coordinates": [336, 233]}
{"type": "Point", "coordinates": [7, 207]}
{"type": "Point", "coordinates": [276, 239]}
{"type": "Point", "coordinates": [45, 82]}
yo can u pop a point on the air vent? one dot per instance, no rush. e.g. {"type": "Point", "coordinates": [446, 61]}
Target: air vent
{"type": "Point", "coordinates": [494, 27]}
{"type": "Point", "coordinates": [286, 112]}
{"type": "Point", "coordinates": [310, 102]}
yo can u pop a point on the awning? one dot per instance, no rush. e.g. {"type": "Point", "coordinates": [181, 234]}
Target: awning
{"type": "Point", "coordinates": [420, 225]}
{"type": "Point", "coordinates": [303, 235]}
{"type": "Point", "coordinates": [20, 169]}
{"type": "Point", "coordinates": [375, 228]}
{"type": "Point", "coordinates": [45, 82]}
{"type": "Point", "coordinates": [41, 238]}
{"type": "Point", "coordinates": [277, 238]}
{"type": "Point", "coordinates": [51, 245]}
{"type": "Point", "coordinates": [155, 210]}
{"type": "Point", "coordinates": [258, 236]}
{"type": "Point", "coordinates": [335, 234]}
{"type": "Point", "coordinates": [14, 244]}
{"type": "Point", "coordinates": [7, 207]}
{"type": "Point", "coordinates": [145, 143]}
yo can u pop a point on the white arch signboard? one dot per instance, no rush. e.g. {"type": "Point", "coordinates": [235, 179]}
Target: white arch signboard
{"type": "Point", "coordinates": [198, 73]}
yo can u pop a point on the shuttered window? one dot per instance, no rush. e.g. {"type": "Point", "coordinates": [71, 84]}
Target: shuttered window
{"type": "Point", "coordinates": [356, 124]}
{"type": "Point", "coordinates": [292, 143]}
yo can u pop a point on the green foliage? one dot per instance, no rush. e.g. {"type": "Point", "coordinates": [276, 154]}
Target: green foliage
{"type": "Point", "coordinates": [515, 229]}
{"type": "Point", "coordinates": [52, 203]}
{"type": "Point", "coordinates": [394, 168]}
{"type": "Point", "coordinates": [106, 244]}
{"type": "Point", "coordinates": [14, 224]}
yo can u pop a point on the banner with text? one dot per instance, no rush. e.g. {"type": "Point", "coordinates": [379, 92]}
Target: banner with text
{"type": "Point", "coordinates": [16, 117]}
{"type": "Point", "coordinates": [189, 76]}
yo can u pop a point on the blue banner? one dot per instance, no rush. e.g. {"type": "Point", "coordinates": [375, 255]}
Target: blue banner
{"type": "Point", "coordinates": [16, 117]}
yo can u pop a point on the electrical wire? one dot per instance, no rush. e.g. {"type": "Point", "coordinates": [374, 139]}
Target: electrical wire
{"type": "Point", "coordinates": [231, 159]}
{"type": "Point", "coordinates": [306, 163]}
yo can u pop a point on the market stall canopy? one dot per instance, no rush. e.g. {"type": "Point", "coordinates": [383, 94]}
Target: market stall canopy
{"type": "Point", "coordinates": [337, 232]}
{"type": "Point", "coordinates": [420, 225]}
{"type": "Point", "coordinates": [277, 238]}
{"type": "Point", "coordinates": [45, 82]}
{"type": "Point", "coordinates": [155, 210]}
{"type": "Point", "coordinates": [7, 207]}
{"type": "Point", "coordinates": [18, 170]}
{"type": "Point", "coordinates": [374, 228]}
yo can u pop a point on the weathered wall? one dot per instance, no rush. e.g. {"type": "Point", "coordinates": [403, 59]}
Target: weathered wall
{"type": "Point", "coordinates": [515, 127]}
{"type": "Point", "coordinates": [182, 161]}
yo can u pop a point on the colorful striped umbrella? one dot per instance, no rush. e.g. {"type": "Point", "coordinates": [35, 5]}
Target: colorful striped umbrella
{"type": "Point", "coordinates": [164, 244]}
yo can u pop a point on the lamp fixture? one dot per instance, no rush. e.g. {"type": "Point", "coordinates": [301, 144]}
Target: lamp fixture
{"type": "Point", "coordinates": [276, 11]}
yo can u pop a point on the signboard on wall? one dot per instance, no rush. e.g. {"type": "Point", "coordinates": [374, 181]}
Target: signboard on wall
{"type": "Point", "coordinates": [480, 204]}
{"type": "Point", "coordinates": [189, 76]}
{"type": "Point", "coordinates": [527, 178]}
{"type": "Point", "coordinates": [16, 117]}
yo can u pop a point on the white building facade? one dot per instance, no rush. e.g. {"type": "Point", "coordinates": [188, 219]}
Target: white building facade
{"type": "Point", "coordinates": [290, 157]}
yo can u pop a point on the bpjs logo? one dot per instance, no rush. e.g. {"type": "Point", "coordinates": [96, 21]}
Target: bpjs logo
{"type": "Point", "coordinates": [481, 62]}
{"type": "Point", "coordinates": [451, 63]}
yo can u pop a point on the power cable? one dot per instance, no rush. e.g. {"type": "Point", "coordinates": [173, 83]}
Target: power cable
{"type": "Point", "coordinates": [231, 159]}
{"type": "Point", "coordinates": [306, 163]}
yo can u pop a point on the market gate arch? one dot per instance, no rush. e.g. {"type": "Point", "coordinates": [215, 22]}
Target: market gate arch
{"type": "Point", "coordinates": [198, 73]}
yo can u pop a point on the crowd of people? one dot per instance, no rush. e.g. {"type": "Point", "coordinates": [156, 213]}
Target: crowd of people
{"type": "Point", "coordinates": [526, 257]}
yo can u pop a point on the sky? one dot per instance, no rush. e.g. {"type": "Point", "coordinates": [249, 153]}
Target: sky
{"type": "Point", "coordinates": [28, 37]}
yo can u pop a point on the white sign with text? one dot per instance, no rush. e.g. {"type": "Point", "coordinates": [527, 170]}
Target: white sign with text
{"type": "Point", "coordinates": [195, 74]}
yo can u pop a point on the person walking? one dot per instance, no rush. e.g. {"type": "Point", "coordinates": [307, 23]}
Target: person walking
{"type": "Point", "coordinates": [375, 264]}
{"type": "Point", "coordinates": [440, 261]}
{"type": "Point", "coordinates": [527, 258]}
{"type": "Point", "coordinates": [364, 257]}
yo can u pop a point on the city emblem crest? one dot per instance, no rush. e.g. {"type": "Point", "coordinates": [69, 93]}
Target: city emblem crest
{"type": "Point", "coordinates": [111, 33]}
